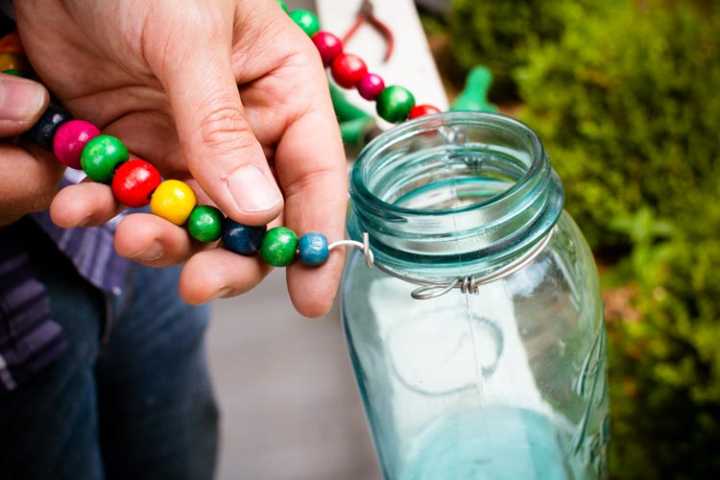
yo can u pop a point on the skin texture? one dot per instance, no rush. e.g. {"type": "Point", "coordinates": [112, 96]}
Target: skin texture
{"type": "Point", "coordinates": [30, 188]}
{"type": "Point", "coordinates": [203, 92]}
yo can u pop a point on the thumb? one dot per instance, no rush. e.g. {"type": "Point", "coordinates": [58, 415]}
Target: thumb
{"type": "Point", "coordinates": [22, 102]}
{"type": "Point", "coordinates": [217, 141]}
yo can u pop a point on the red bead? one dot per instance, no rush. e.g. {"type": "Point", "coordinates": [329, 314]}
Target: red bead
{"type": "Point", "coordinates": [70, 139]}
{"type": "Point", "coordinates": [134, 182]}
{"type": "Point", "coordinates": [328, 45]}
{"type": "Point", "coordinates": [370, 86]}
{"type": "Point", "coordinates": [422, 110]}
{"type": "Point", "coordinates": [348, 70]}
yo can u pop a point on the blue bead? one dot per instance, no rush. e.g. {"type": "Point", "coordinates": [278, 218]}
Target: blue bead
{"type": "Point", "coordinates": [313, 249]}
{"type": "Point", "coordinates": [242, 239]}
{"type": "Point", "coordinates": [43, 131]}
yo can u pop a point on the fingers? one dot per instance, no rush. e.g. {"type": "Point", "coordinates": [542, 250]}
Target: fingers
{"type": "Point", "coordinates": [219, 273]}
{"type": "Point", "coordinates": [311, 169]}
{"type": "Point", "coordinates": [152, 241]}
{"type": "Point", "coordinates": [28, 181]}
{"type": "Point", "coordinates": [221, 149]}
{"type": "Point", "coordinates": [83, 205]}
{"type": "Point", "coordinates": [22, 102]}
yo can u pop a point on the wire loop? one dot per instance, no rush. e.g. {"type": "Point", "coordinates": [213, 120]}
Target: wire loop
{"type": "Point", "coordinates": [428, 289]}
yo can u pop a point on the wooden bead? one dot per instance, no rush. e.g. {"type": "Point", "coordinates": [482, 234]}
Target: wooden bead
{"type": "Point", "coordinates": [306, 20]}
{"type": "Point", "coordinates": [173, 200]}
{"type": "Point", "coordinates": [13, 72]}
{"type": "Point", "coordinates": [370, 86]}
{"type": "Point", "coordinates": [12, 61]}
{"type": "Point", "coordinates": [101, 156]}
{"type": "Point", "coordinates": [43, 132]}
{"type": "Point", "coordinates": [10, 43]}
{"type": "Point", "coordinates": [394, 103]}
{"type": "Point", "coordinates": [328, 45]}
{"type": "Point", "coordinates": [283, 5]}
{"type": "Point", "coordinates": [313, 249]}
{"type": "Point", "coordinates": [279, 247]}
{"type": "Point", "coordinates": [205, 223]}
{"type": "Point", "coordinates": [134, 182]}
{"type": "Point", "coordinates": [348, 70]}
{"type": "Point", "coordinates": [242, 239]}
{"type": "Point", "coordinates": [70, 140]}
{"type": "Point", "coordinates": [422, 110]}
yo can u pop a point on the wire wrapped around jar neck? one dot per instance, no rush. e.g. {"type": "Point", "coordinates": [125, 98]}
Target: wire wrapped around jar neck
{"type": "Point", "coordinates": [455, 200]}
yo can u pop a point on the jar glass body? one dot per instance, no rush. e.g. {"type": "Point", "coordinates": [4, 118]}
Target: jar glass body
{"type": "Point", "coordinates": [507, 380]}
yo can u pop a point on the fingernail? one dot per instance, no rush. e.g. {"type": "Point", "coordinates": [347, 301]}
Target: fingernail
{"type": "Point", "coordinates": [20, 100]}
{"type": "Point", "coordinates": [155, 252]}
{"type": "Point", "coordinates": [252, 190]}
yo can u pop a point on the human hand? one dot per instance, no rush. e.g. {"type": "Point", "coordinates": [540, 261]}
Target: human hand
{"type": "Point", "coordinates": [28, 177]}
{"type": "Point", "coordinates": [228, 93]}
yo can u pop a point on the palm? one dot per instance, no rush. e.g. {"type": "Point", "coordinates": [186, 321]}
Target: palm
{"type": "Point", "coordinates": [111, 83]}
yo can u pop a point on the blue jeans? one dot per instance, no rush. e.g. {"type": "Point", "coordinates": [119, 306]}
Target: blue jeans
{"type": "Point", "coordinates": [139, 406]}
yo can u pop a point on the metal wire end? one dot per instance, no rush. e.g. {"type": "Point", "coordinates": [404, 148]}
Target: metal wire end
{"type": "Point", "coordinates": [364, 246]}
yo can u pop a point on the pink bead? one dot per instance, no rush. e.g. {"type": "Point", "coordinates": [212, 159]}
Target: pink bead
{"type": "Point", "coordinates": [370, 86]}
{"type": "Point", "coordinates": [328, 45]}
{"type": "Point", "coordinates": [70, 139]}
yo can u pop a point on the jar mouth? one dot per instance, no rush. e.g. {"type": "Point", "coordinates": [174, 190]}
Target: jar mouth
{"type": "Point", "coordinates": [453, 188]}
{"type": "Point", "coordinates": [442, 124]}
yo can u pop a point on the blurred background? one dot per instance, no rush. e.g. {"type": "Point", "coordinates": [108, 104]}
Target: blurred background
{"type": "Point", "coordinates": [624, 94]}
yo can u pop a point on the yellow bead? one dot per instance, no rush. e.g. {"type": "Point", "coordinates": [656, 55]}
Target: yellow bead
{"type": "Point", "coordinates": [11, 61]}
{"type": "Point", "coordinates": [173, 200]}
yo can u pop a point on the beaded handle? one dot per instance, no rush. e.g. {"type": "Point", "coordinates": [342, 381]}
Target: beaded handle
{"type": "Point", "coordinates": [136, 183]}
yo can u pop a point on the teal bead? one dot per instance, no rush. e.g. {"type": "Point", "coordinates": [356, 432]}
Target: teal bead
{"type": "Point", "coordinates": [306, 20]}
{"type": "Point", "coordinates": [279, 247]}
{"type": "Point", "coordinates": [283, 5]}
{"type": "Point", "coordinates": [205, 223]}
{"type": "Point", "coordinates": [394, 103]}
{"type": "Point", "coordinates": [313, 249]}
{"type": "Point", "coordinates": [101, 156]}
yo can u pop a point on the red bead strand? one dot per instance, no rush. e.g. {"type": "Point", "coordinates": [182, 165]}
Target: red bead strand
{"type": "Point", "coordinates": [348, 70]}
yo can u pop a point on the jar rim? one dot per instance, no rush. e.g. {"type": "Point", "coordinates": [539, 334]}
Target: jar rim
{"type": "Point", "coordinates": [480, 188]}
{"type": "Point", "coordinates": [410, 128]}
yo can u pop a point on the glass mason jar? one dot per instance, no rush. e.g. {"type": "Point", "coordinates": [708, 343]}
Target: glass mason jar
{"type": "Point", "coordinates": [478, 339]}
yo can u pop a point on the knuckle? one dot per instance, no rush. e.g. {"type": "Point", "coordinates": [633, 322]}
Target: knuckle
{"type": "Point", "coordinates": [225, 128]}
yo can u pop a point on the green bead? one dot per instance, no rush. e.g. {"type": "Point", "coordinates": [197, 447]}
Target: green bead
{"type": "Point", "coordinates": [283, 5]}
{"type": "Point", "coordinates": [101, 156]}
{"type": "Point", "coordinates": [13, 71]}
{"type": "Point", "coordinates": [279, 247]}
{"type": "Point", "coordinates": [205, 223]}
{"type": "Point", "coordinates": [394, 103]}
{"type": "Point", "coordinates": [306, 20]}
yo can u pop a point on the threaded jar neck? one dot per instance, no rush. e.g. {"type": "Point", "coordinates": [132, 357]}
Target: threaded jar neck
{"type": "Point", "coordinates": [454, 194]}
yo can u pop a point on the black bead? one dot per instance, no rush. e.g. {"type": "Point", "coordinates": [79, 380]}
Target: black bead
{"type": "Point", "coordinates": [43, 131]}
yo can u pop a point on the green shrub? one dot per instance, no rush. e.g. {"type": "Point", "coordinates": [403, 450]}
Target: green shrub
{"type": "Point", "coordinates": [628, 106]}
{"type": "Point", "coordinates": [665, 361]}
{"type": "Point", "coordinates": [499, 35]}
{"type": "Point", "coordinates": [626, 103]}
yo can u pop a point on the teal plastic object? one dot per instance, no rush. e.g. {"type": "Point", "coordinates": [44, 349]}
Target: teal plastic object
{"type": "Point", "coordinates": [354, 122]}
{"type": "Point", "coordinates": [474, 97]}
{"type": "Point", "coordinates": [502, 380]}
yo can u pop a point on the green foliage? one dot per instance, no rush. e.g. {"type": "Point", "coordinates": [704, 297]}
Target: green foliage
{"type": "Point", "coordinates": [626, 103]}
{"type": "Point", "coordinates": [632, 121]}
{"type": "Point", "coordinates": [665, 364]}
{"type": "Point", "coordinates": [500, 35]}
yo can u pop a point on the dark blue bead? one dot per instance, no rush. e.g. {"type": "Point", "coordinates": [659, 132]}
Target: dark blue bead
{"type": "Point", "coordinates": [43, 131]}
{"type": "Point", "coordinates": [313, 249]}
{"type": "Point", "coordinates": [242, 239]}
